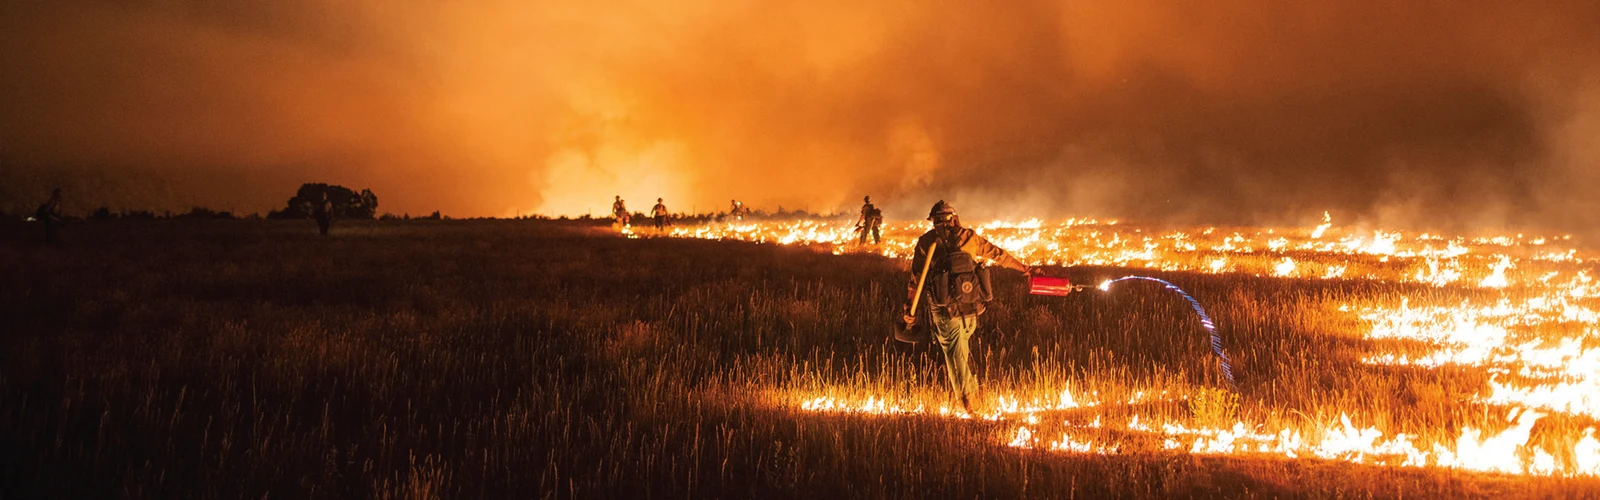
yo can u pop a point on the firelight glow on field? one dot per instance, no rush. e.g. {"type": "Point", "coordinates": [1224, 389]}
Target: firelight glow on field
{"type": "Point", "coordinates": [1525, 316]}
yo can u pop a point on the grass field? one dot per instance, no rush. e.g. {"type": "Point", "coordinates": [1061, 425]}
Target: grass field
{"type": "Point", "coordinates": [545, 359]}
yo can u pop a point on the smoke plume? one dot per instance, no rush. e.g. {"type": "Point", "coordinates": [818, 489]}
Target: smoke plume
{"type": "Point", "coordinates": [1431, 114]}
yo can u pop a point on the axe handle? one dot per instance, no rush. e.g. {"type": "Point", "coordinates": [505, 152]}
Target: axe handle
{"type": "Point", "coordinates": [924, 279]}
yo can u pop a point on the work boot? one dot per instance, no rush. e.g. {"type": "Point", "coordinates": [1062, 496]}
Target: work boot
{"type": "Point", "coordinates": [978, 403]}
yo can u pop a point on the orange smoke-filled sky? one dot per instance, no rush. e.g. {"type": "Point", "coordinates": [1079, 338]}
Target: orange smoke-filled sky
{"type": "Point", "coordinates": [1466, 114]}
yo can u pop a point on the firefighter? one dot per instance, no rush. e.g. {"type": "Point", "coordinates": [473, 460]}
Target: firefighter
{"type": "Point", "coordinates": [322, 211]}
{"type": "Point", "coordinates": [870, 222]}
{"type": "Point", "coordinates": [955, 288]}
{"type": "Point", "coordinates": [738, 210]}
{"type": "Point", "coordinates": [660, 212]}
{"type": "Point", "coordinates": [620, 211]}
{"type": "Point", "coordinates": [50, 214]}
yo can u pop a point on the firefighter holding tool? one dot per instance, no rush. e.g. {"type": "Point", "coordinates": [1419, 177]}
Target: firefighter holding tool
{"type": "Point", "coordinates": [947, 277]}
{"type": "Point", "coordinates": [871, 222]}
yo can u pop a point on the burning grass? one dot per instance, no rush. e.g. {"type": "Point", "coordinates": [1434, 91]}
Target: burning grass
{"type": "Point", "coordinates": [465, 359]}
{"type": "Point", "coordinates": [1505, 325]}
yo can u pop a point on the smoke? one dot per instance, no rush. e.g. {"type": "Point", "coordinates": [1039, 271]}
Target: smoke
{"type": "Point", "coordinates": [1416, 114]}
{"type": "Point", "coordinates": [1573, 164]}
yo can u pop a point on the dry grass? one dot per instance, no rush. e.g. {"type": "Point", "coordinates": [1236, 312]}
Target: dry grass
{"type": "Point", "coordinates": [510, 358]}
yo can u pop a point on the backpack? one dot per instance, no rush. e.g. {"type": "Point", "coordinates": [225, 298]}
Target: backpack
{"type": "Point", "coordinates": [960, 284]}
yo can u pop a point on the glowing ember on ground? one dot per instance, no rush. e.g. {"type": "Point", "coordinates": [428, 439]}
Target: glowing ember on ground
{"type": "Point", "coordinates": [1525, 315]}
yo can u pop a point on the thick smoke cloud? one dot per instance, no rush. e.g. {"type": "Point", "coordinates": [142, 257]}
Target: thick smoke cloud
{"type": "Point", "coordinates": [1423, 114]}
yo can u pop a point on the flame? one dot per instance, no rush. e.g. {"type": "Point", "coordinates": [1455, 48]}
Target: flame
{"type": "Point", "coordinates": [1218, 264]}
{"type": "Point", "coordinates": [1327, 222]}
{"type": "Point", "coordinates": [1333, 272]}
{"type": "Point", "coordinates": [1497, 278]}
{"type": "Point", "coordinates": [1284, 267]}
{"type": "Point", "coordinates": [1382, 243]}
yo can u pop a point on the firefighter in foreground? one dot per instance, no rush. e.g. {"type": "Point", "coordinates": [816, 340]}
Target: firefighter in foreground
{"type": "Point", "coordinates": [870, 222]}
{"type": "Point", "coordinates": [954, 287]}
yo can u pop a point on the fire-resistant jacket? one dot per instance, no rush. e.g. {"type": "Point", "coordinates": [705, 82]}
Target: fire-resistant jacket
{"type": "Point", "coordinates": [660, 210]}
{"type": "Point", "coordinates": [970, 242]}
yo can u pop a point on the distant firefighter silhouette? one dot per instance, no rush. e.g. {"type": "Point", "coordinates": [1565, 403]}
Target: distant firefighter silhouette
{"type": "Point", "coordinates": [620, 211]}
{"type": "Point", "coordinates": [322, 211]}
{"type": "Point", "coordinates": [661, 214]}
{"type": "Point", "coordinates": [947, 277]}
{"type": "Point", "coordinates": [870, 222]}
{"type": "Point", "coordinates": [50, 214]}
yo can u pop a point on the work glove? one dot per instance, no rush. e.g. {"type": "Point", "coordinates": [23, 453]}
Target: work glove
{"type": "Point", "coordinates": [904, 330]}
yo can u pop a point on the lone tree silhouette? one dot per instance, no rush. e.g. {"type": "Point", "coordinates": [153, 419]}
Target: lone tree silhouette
{"type": "Point", "coordinates": [347, 204]}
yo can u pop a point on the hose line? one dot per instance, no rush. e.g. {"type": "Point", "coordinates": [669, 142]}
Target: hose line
{"type": "Point", "coordinates": [1205, 322]}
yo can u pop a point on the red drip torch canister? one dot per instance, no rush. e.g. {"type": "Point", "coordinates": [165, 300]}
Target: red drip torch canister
{"type": "Point", "coordinates": [1049, 285]}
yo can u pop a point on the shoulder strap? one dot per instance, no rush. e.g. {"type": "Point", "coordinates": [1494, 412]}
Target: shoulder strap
{"type": "Point", "coordinates": [947, 243]}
